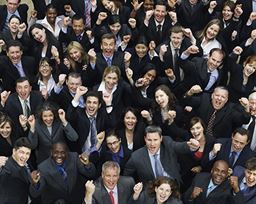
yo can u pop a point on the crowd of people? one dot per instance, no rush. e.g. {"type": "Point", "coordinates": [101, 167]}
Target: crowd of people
{"type": "Point", "coordinates": [128, 102]}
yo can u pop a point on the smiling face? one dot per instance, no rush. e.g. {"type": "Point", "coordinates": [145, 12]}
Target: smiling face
{"type": "Point", "coordinates": [51, 15]}
{"type": "Point", "coordinates": [73, 83]}
{"type": "Point", "coordinates": [239, 142]}
{"type": "Point", "coordinates": [176, 39]}
{"type": "Point", "coordinates": [227, 13]}
{"type": "Point", "coordinates": [113, 143]}
{"type": "Point", "coordinates": [149, 77]}
{"type": "Point", "coordinates": [130, 120]}
{"type": "Point", "coordinates": [92, 105]}
{"type": "Point", "coordinates": [109, 5]}
{"type": "Point", "coordinates": [197, 131]}
{"type": "Point", "coordinates": [141, 50]}
{"type": "Point", "coordinates": [215, 60]}
{"type": "Point", "coordinates": [5, 129]}
{"type": "Point", "coordinates": [39, 35]}
{"type": "Point", "coordinates": [219, 172]}
{"type": "Point", "coordinates": [45, 69]}
{"type": "Point", "coordinates": [110, 177]}
{"type": "Point", "coordinates": [48, 117]}
{"type": "Point", "coordinates": [108, 47]}
{"type": "Point", "coordinates": [14, 25]}
{"type": "Point", "coordinates": [252, 105]}
{"type": "Point", "coordinates": [59, 153]}
{"type": "Point", "coordinates": [249, 68]}
{"type": "Point", "coordinates": [14, 53]}
{"type": "Point", "coordinates": [153, 142]}
{"type": "Point", "coordinates": [219, 98]}
{"type": "Point", "coordinates": [21, 155]}
{"type": "Point", "coordinates": [75, 54]}
{"type": "Point", "coordinates": [160, 13]}
{"type": "Point", "coordinates": [162, 98]}
{"type": "Point", "coordinates": [115, 28]}
{"type": "Point", "coordinates": [250, 177]}
{"type": "Point", "coordinates": [78, 26]}
{"type": "Point", "coordinates": [212, 31]}
{"type": "Point", "coordinates": [111, 80]}
{"type": "Point", "coordinates": [23, 89]}
{"type": "Point", "coordinates": [163, 192]}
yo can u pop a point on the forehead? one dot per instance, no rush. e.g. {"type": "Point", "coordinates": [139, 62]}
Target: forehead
{"type": "Point", "coordinates": [13, 1]}
{"type": "Point", "coordinates": [78, 22]}
{"type": "Point", "coordinates": [59, 148]}
{"type": "Point", "coordinates": [22, 149]}
{"type": "Point", "coordinates": [14, 48]}
{"type": "Point", "coordinates": [51, 10]}
{"type": "Point", "coordinates": [217, 55]}
{"type": "Point", "coordinates": [160, 7]}
{"type": "Point", "coordinates": [153, 135]}
{"type": "Point", "coordinates": [108, 40]}
{"type": "Point", "coordinates": [180, 34]}
{"type": "Point", "coordinates": [111, 74]}
{"type": "Point", "coordinates": [112, 138]}
{"type": "Point", "coordinates": [239, 137]}
{"type": "Point", "coordinates": [74, 79]}
{"type": "Point", "coordinates": [110, 171]}
{"type": "Point", "coordinates": [24, 83]}
{"type": "Point", "coordinates": [47, 112]}
{"type": "Point", "coordinates": [92, 99]}
{"type": "Point", "coordinates": [221, 92]}
{"type": "Point", "coordinates": [214, 26]}
{"type": "Point", "coordinates": [220, 166]}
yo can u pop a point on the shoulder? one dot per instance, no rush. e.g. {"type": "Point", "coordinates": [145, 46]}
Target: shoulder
{"type": "Point", "coordinates": [23, 7]}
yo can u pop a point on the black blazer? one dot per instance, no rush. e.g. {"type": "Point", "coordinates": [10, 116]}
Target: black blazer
{"type": "Point", "coordinates": [14, 181]}
{"type": "Point", "coordinates": [9, 73]}
{"type": "Point", "coordinates": [222, 194]}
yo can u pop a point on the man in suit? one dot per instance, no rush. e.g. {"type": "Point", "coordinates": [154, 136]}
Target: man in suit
{"type": "Point", "coordinates": [21, 104]}
{"type": "Point", "coordinates": [14, 175]}
{"type": "Point", "coordinates": [108, 56]}
{"type": "Point", "coordinates": [232, 150]}
{"type": "Point", "coordinates": [251, 125]}
{"type": "Point", "coordinates": [12, 7]}
{"type": "Point", "coordinates": [58, 176]}
{"type": "Point", "coordinates": [157, 23]}
{"type": "Point", "coordinates": [62, 94]}
{"type": "Point", "coordinates": [15, 65]}
{"type": "Point", "coordinates": [205, 72]}
{"type": "Point", "coordinates": [211, 188]}
{"type": "Point", "coordinates": [220, 116]}
{"type": "Point", "coordinates": [89, 122]}
{"type": "Point", "coordinates": [111, 188]}
{"type": "Point", "coordinates": [77, 32]}
{"type": "Point", "coordinates": [158, 157]}
{"type": "Point", "coordinates": [243, 182]}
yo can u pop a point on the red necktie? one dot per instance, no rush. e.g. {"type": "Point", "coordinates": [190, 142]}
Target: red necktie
{"type": "Point", "coordinates": [112, 197]}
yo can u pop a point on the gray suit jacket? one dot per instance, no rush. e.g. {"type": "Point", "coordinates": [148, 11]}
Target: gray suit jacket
{"type": "Point", "coordinates": [52, 185]}
{"type": "Point", "coordinates": [125, 190]}
{"type": "Point", "coordinates": [140, 167]}
{"type": "Point", "coordinates": [42, 140]}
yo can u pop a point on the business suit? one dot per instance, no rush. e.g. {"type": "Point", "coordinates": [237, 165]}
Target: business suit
{"type": "Point", "coordinates": [124, 187]}
{"type": "Point", "coordinates": [22, 10]}
{"type": "Point", "coordinates": [14, 181]}
{"type": "Point", "coordinates": [62, 99]}
{"type": "Point", "coordinates": [101, 64]}
{"type": "Point", "coordinates": [52, 185]}
{"type": "Point", "coordinates": [151, 33]}
{"type": "Point", "coordinates": [42, 140]}
{"type": "Point", "coordinates": [143, 171]}
{"type": "Point", "coordinates": [13, 107]}
{"type": "Point", "coordinates": [9, 73]}
{"type": "Point", "coordinates": [250, 196]}
{"type": "Point", "coordinates": [224, 153]}
{"type": "Point", "coordinates": [81, 123]}
{"type": "Point", "coordinates": [227, 118]}
{"type": "Point", "coordinates": [222, 194]}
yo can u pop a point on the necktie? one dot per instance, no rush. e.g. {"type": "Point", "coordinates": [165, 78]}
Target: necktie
{"type": "Point", "coordinates": [20, 70]}
{"type": "Point", "coordinates": [179, 74]}
{"type": "Point", "coordinates": [251, 127]}
{"type": "Point", "coordinates": [232, 159]}
{"type": "Point", "coordinates": [209, 129]}
{"type": "Point", "coordinates": [210, 189]}
{"type": "Point", "coordinates": [158, 166]}
{"type": "Point", "coordinates": [109, 61]}
{"type": "Point", "coordinates": [27, 109]}
{"type": "Point", "coordinates": [87, 8]}
{"type": "Point", "coordinates": [63, 173]}
{"type": "Point", "coordinates": [159, 31]}
{"type": "Point", "coordinates": [79, 38]}
{"type": "Point", "coordinates": [93, 131]}
{"type": "Point", "coordinates": [112, 197]}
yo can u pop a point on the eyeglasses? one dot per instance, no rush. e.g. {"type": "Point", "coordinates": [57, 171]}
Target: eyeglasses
{"type": "Point", "coordinates": [113, 143]}
{"type": "Point", "coordinates": [44, 65]}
